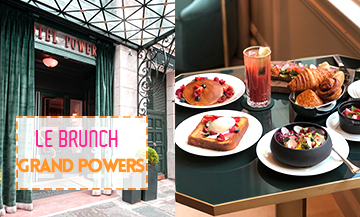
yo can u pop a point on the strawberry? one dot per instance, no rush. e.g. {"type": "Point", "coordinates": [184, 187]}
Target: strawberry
{"type": "Point", "coordinates": [198, 91]}
{"type": "Point", "coordinates": [232, 129]}
{"type": "Point", "coordinates": [216, 79]}
{"type": "Point", "coordinates": [210, 118]}
{"type": "Point", "coordinates": [202, 78]}
{"type": "Point", "coordinates": [182, 87]}
{"type": "Point", "coordinates": [222, 81]}
{"type": "Point", "coordinates": [204, 130]}
{"type": "Point", "coordinates": [228, 135]}
{"type": "Point", "coordinates": [221, 137]}
{"type": "Point", "coordinates": [215, 117]}
{"type": "Point", "coordinates": [196, 86]}
{"type": "Point", "coordinates": [212, 133]}
{"type": "Point", "coordinates": [225, 87]}
{"type": "Point", "coordinates": [237, 119]}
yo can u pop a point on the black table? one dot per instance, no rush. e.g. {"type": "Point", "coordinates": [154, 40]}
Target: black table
{"type": "Point", "coordinates": [240, 181]}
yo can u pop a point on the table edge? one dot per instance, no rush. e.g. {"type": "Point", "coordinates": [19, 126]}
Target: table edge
{"type": "Point", "coordinates": [275, 198]}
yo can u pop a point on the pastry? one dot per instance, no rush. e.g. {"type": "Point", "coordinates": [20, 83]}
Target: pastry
{"type": "Point", "coordinates": [219, 133]}
{"type": "Point", "coordinates": [329, 89]}
{"type": "Point", "coordinates": [308, 98]}
{"type": "Point", "coordinates": [309, 79]}
{"type": "Point", "coordinates": [340, 76]}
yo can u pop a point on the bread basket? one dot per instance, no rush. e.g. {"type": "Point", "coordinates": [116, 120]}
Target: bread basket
{"type": "Point", "coordinates": [327, 108]}
{"type": "Point", "coordinates": [318, 111]}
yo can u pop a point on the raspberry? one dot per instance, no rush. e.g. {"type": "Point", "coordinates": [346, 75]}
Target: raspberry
{"type": "Point", "coordinates": [230, 88]}
{"type": "Point", "coordinates": [216, 79]}
{"type": "Point", "coordinates": [222, 81]}
{"type": "Point", "coordinates": [228, 94]}
{"type": "Point", "coordinates": [179, 94]}
{"type": "Point", "coordinates": [182, 87]}
{"type": "Point", "coordinates": [177, 91]}
{"type": "Point", "coordinates": [222, 99]}
{"type": "Point", "coordinates": [232, 129]}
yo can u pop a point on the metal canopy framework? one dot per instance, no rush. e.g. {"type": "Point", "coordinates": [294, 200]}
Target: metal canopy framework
{"type": "Point", "coordinates": [140, 22]}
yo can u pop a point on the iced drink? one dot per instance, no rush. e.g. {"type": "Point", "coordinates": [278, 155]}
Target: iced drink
{"type": "Point", "coordinates": [258, 76]}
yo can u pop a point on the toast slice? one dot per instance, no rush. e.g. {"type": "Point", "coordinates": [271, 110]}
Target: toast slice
{"type": "Point", "coordinates": [232, 139]}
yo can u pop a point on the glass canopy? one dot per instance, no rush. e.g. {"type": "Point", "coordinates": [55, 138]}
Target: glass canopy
{"type": "Point", "coordinates": [136, 21]}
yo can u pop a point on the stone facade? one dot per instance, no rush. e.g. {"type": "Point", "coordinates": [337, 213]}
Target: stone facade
{"type": "Point", "coordinates": [125, 96]}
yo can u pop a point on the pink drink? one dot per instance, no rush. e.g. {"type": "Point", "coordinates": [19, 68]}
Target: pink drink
{"type": "Point", "coordinates": [258, 77]}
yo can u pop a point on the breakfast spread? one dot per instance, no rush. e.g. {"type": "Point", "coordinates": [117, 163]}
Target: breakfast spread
{"type": "Point", "coordinates": [218, 133]}
{"type": "Point", "coordinates": [317, 85]}
{"type": "Point", "coordinates": [353, 112]}
{"type": "Point", "coordinates": [301, 137]}
{"type": "Point", "coordinates": [203, 91]}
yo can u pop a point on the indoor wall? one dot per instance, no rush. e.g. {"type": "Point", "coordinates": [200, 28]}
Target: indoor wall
{"type": "Point", "coordinates": [302, 28]}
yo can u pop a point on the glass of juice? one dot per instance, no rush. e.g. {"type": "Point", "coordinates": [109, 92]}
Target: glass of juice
{"type": "Point", "coordinates": [257, 60]}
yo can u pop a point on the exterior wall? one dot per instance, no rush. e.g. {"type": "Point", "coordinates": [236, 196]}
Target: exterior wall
{"type": "Point", "coordinates": [170, 112]}
{"type": "Point", "coordinates": [125, 81]}
{"type": "Point", "coordinates": [125, 96]}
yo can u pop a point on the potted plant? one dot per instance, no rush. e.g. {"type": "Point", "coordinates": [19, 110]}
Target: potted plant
{"type": "Point", "coordinates": [153, 159]}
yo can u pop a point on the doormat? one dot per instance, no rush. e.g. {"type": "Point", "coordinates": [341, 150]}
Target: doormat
{"type": "Point", "coordinates": [39, 194]}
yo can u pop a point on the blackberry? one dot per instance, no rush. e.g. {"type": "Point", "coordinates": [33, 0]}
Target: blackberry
{"type": "Point", "coordinates": [197, 98]}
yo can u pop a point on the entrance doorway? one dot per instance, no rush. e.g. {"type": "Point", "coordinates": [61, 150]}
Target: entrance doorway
{"type": "Point", "coordinates": [65, 90]}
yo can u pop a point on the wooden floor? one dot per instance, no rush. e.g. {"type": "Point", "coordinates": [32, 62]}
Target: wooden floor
{"type": "Point", "coordinates": [320, 206]}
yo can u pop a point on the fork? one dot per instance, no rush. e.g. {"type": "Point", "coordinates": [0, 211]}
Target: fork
{"type": "Point", "coordinates": [354, 169]}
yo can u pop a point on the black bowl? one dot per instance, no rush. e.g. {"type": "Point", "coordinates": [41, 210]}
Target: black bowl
{"type": "Point", "coordinates": [313, 112]}
{"type": "Point", "coordinates": [347, 124]}
{"type": "Point", "coordinates": [301, 158]}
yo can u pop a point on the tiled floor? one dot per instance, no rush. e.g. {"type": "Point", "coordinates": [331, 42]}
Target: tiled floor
{"type": "Point", "coordinates": [83, 204]}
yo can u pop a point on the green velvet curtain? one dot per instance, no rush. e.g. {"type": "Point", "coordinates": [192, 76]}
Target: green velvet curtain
{"type": "Point", "coordinates": [16, 94]}
{"type": "Point", "coordinates": [104, 79]}
{"type": "Point", "coordinates": [104, 106]}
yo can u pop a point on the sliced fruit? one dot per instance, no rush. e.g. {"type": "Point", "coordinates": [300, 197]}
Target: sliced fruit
{"type": "Point", "coordinates": [221, 137]}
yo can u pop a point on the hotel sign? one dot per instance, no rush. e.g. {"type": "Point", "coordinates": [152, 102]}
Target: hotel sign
{"type": "Point", "coordinates": [61, 40]}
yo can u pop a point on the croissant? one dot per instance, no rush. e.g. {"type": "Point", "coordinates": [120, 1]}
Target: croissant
{"type": "Point", "coordinates": [340, 76]}
{"type": "Point", "coordinates": [309, 79]}
{"type": "Point", "coordinates": [329, 89]}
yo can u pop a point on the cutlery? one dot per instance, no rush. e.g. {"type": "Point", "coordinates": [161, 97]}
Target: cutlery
{"type": "Point", "coordinates": [354, 169]}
